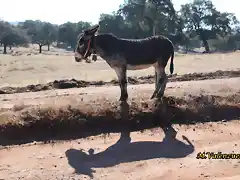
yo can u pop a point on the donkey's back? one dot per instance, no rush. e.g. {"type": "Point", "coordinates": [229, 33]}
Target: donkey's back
{"type": "Point", "coordinates": [146, 51]}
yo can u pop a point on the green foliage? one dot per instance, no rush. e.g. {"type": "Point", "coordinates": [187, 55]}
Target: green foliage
{"type": "Point", "coordinates": [11, 35]}
{"type": "Point", "coordinates": [228, 43]}
{"type": "Point", "coordinates": [205, 21]}
{"type": "Point", "coordinates": [68, 32]}
{"type": "Point", "coordinates": [151, 16]}
{"type": "Point", "coordinates": [42, 33]}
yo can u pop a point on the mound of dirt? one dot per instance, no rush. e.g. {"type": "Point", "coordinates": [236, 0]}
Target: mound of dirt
{"type": "Point", "coordinates": [103, 117]}
{"type": "Point", "coordinates": [73, 83]}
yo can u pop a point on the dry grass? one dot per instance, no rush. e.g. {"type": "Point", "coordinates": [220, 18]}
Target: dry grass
{"type": "Point", "coordinates": [27, 69]}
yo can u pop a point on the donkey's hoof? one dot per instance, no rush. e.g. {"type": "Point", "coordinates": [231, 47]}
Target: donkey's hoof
{"type": "Point", "coordinates": [123, 98]}
{"type": "Point", "coordinates": [153, 96]}
{"type": "Point", "coordinates": [159, 96]}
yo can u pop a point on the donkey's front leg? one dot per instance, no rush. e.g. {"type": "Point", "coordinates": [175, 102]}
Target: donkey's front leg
{"type": "Point", "coordinates": [122, 78]}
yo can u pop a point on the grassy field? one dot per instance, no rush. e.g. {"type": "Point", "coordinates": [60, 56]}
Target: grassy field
{"type": "Point", "coordinates": [22, 70]}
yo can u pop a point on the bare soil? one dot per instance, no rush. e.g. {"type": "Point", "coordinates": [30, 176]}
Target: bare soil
{"type": "Point", "coordinates": [142, 156]}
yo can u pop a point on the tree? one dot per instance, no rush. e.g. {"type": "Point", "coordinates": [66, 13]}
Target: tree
{"type": "Point", "coordinates": [133, 14]}
{"type": "Point", "coordinates": [69, 31]}
{"type": "Point", "coordinates": [202, 19]}
{"type": "Point", "coordinates": [11, 35]}
{"type": "Point", "coordinates": [115, 24]}
{"type": "Point", "coordinates": [81, 25]}
{"type": "Point", "coordinates": [154, 16]}
{"type": "Point", "coordinates": [49, 33]}
{"type": "Point", "coordinates": [2, 25]}
{"type": "Point", "coordinates": [41, 33]}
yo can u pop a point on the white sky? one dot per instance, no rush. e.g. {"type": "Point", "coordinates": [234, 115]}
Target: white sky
{"type": "Point", "coordinates": [58, 12]}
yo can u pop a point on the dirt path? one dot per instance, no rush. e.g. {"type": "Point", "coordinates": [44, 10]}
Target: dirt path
{"type": "Point", "coordinates": [146, 157]}
{"type": "Point", "coordinates": [73, 83]}
{"type": "Point", "coordinates": [144, 91]}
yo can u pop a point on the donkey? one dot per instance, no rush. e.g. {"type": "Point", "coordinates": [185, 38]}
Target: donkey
{"type": "Point", "coordinates": [128, 54]}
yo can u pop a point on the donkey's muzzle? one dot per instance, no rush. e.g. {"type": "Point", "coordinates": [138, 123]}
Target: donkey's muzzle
{"type": "Point", "coordinates": [94, 57]}
{"type": "Point", "coordinates": [78, 59]}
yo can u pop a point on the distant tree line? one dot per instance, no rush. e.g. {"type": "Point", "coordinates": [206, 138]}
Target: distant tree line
{"type": "Point", "coordinates": [196, 24]}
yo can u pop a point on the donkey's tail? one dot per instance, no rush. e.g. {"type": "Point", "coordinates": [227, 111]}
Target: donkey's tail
{"type": "Point", "coordinates": [171, 63]}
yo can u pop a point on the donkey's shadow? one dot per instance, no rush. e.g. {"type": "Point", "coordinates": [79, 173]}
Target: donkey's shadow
{"type": "Point", "coordinates": [126, 151]}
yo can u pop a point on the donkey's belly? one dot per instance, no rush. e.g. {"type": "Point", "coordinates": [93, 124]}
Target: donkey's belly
{"type": "Point", "coordinates": [118, 61]}
{"type": "Point", "coordinates": [139, 67]}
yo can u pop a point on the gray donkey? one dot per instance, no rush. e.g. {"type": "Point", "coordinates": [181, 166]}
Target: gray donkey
{"type": "Point", "coordinates": [128, 54]}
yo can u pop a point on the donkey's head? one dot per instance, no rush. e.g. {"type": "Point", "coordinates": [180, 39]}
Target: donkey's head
{"type": "Point", "coordinates": [85, 43]}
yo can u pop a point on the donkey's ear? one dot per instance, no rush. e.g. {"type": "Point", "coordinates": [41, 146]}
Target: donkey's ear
{"type": "Point", "coordinates": [92, 30]}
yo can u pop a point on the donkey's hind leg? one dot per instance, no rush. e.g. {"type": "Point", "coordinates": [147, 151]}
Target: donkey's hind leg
{"type": "Point", "coordinates": [156, 86]}
{"type": "Point", "coordinates": [122, 78]}
{"type": "Point", "coordinates": [161, 80]}
{"type": "Point", "coordinates": [161, 90]}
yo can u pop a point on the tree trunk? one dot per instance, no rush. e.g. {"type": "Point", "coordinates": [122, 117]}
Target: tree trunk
{"type": "Point", "coordinates": [186, 48]}
{"type": "Point", "coordinates": [48, 47]}
{"type": "Point", "coordinates": [40, 48]}
{"type": "Point", "coordinates": [4, 49]}
{"type": "Point", "coordinates": [58, 44]}
{"type": "Point", "coordinates": [154, 30]}
{"type": "Point", "coordinates": [10, 47]}
{"type": "Point", "coordinates": [204, 40]}
{"type": "Point", "coordinates": [73, 46]}
{"type": "Point", "coordinates": [205, 43]}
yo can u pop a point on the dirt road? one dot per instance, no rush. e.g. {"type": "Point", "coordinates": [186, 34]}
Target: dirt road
{"type": "Point", "coordinates": [88, 95]}
{"type": "Point", "coordinates": [147, 156]}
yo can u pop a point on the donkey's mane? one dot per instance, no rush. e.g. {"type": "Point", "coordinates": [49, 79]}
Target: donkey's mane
{"type": "Point", "coordinates": [112, 36]}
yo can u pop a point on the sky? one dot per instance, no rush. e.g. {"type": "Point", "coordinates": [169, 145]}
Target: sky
{"type": "Point", "coordinates": [58, 12]}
